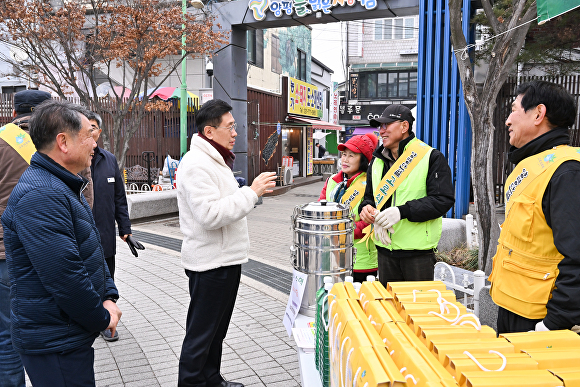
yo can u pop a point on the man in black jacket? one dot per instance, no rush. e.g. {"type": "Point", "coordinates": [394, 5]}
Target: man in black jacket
{"type": "Point", "coordinates": [408, 227]}
{"type": "Point", "coordinates": [110, 202]}
{"type": "Point", "coordinates": [536, 270]}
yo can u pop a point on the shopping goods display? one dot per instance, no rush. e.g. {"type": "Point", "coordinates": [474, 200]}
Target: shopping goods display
{"type": "Point", "coordinates": [417, 334]}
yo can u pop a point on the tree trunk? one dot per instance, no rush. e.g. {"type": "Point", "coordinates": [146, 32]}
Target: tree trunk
{"type": "Point", "coordinates": [481, 106]}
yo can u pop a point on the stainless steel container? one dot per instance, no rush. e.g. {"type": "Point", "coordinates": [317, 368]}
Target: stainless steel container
{"type": "Point", "coordinates": [323, 235]}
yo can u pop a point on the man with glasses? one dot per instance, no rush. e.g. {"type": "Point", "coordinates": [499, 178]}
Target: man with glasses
{"type": "Point", "coordinates": [408, 191]}
{"type": "Point", "coordinates": [212, 218]}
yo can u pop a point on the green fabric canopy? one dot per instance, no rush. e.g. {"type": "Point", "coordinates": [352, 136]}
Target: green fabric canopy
{"type": "Point", "coordinates": [548, 9]}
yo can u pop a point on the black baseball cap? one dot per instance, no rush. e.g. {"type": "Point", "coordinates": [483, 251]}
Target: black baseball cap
{"type": "Point", "coordinates": [26, 100]}
{"type": "Point", "coordinates": [393, 113]}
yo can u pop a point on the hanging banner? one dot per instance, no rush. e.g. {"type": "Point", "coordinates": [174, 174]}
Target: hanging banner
{"type": "Point", "coordinates": [549, 9]}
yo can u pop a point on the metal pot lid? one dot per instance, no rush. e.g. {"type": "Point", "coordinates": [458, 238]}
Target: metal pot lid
{"type": "Point", "coordinates": [323, 210]}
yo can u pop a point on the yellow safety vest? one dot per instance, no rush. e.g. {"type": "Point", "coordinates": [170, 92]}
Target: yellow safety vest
{"type": "Point", "coordinates": [525, 265]}
{"type": "Point", "coordinates": [366, 254]}
{"type": "Point", "coordinates": [19, 140]}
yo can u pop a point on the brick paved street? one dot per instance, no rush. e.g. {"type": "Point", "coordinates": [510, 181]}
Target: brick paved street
{"type": "Point", "coordinates": [154, 300]}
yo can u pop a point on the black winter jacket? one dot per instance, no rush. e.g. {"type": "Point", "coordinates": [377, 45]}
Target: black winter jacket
{"type": "Point", "coordinates": [440, 192]}
{"type": "Point", "coordinates": [561, 206]}
{"type": "Point", "coordinates": [110, 202]}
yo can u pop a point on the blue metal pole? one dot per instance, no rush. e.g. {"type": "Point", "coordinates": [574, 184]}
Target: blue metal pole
{"type": "Point", "coordinates": [446, 56]}
{"type": "Point", "coordinates": [421, 73]}
{"type": "Point", "coordinates": [437, 57]}
{"type": "Point", "coordinates": [427, 135]}
{"type": "Point", "coordinates": [464, 140]}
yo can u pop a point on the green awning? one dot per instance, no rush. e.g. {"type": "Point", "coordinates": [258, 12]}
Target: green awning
{"type": "Point", "coordinates": [548, 9]}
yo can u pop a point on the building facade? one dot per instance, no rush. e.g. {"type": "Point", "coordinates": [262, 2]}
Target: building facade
{"type": "Point", "coordinates": [382, 61]}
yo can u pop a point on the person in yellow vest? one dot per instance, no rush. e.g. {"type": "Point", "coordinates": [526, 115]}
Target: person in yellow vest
{"type": "Point", "coordinates": [12, 166]}
{"type": "Point", "coordinates": [410, 184]}
{"type": "Point", "coordinates": [536, 269]}
{"type": "Point", "coordinates": [348, 186]}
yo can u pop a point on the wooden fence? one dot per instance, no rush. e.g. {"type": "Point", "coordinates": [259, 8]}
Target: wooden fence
{"type": "Point", "coordinates": [501, 165]}
{"type": "Point", "coordinates": [158, 132]}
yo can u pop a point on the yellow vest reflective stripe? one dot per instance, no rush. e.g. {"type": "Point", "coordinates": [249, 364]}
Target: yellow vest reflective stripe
{"type": "Point", "coordinates": [525, 265]}
{"type": "Point", "coordinates": [366, 254]}
{"type": "Point", "coordinates": [19, 140]}
{"type": "Point", "coordinates": [410, 235]}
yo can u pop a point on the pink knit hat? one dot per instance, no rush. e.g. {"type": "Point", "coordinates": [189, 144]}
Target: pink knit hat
{"type": "Point", "coordinates": [364, 144]}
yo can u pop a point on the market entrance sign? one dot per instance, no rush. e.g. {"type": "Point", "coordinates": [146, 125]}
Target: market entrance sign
{"type": "Point", "coordinates": [302, 7]}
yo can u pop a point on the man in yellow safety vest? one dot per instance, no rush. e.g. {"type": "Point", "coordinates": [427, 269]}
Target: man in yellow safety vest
{"type": "Point", "coordinates": [536, 270]}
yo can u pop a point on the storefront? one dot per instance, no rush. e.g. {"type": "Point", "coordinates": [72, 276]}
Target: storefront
{"type": "Point", "coordinates": [356, 117]}
{"type": "Point", "coordinates": [304, 104]}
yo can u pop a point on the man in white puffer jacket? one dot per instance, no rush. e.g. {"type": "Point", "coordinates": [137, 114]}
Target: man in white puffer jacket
{"type": "Point", "coordinates": [212, 218]}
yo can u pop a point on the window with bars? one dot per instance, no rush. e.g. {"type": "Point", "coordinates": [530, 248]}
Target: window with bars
{"type": "Point", "coordinates": [395, 28]}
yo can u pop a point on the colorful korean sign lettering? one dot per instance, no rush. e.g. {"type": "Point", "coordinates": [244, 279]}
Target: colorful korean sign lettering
{"type": "Point", "coordinates": [304, 98]}
{"type": "Point", "coordinates": [301, 7]}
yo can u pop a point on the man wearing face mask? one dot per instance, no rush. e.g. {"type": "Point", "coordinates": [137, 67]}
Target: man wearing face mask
{"type": "Point", "coordinates": [408, 190]}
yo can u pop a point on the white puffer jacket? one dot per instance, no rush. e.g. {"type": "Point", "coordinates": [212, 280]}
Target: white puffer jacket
{"type": "Point", "coordinates": [212, 210]}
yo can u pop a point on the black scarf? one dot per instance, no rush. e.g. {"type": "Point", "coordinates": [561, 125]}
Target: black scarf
{"type": "Point", "coordinates": [555, 137]}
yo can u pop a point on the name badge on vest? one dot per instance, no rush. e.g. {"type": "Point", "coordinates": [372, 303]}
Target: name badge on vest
{"type": "Point", "coordinates": [110, 179]}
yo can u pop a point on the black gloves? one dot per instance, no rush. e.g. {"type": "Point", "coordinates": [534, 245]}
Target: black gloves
{"type": "Point", "coordinates": [134, 245]}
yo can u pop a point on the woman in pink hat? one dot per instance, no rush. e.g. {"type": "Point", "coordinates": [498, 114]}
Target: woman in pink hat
{"type": "Point", "coordinates": [348, 187]}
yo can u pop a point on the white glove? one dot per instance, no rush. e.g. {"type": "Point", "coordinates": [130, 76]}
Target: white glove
{"type": "Point", "coordinates": [382, 235]}
{"type": "Point", "coordinates": [388, 218]}
{"type": "Point", "coordinates": [540, 327]}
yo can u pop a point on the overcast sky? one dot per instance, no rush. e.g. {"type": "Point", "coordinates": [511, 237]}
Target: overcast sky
{"type": "Point", "coordinates": [327, 48]}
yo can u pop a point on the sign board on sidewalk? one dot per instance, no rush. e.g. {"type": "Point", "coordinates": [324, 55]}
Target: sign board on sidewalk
{"type": "Point", "coordinates": [294, 300]}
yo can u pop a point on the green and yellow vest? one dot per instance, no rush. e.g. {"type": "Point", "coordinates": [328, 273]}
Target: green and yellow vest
{"type": "Point", "coordinates": [410, 235]}
{"type": "Point", "coordinates": [366, 254]}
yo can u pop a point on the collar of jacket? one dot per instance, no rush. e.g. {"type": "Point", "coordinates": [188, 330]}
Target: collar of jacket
{"type": "Point", "coordinates": [21, 121]}
{"type": "Point", "coordinates": [228, 155]}
{"type": "Point", "coordinates": [555, 137]}
{"type": "Point", "coordinates": [339, 177]}
{"type": "Point", "coordinates": [76, 183]}
{"type": "Point", "coordinates": [389, 157]}
{"type": "Point", "coordinates": [97, 155]}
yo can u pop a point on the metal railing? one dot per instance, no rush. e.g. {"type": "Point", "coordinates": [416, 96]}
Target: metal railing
{"type": "Point", "coordinates": [470, 285]}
